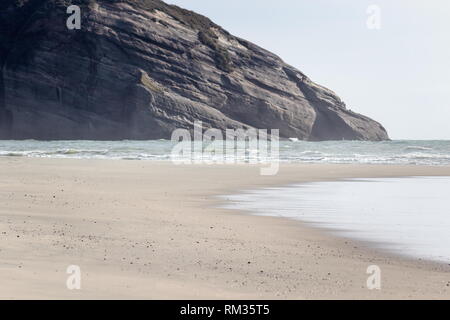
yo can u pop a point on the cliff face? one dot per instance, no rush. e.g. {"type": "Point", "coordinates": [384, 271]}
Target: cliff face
{"type": "Point", "coordinates": [140, 69]}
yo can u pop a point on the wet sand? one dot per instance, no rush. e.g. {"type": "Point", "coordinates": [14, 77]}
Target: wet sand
{"type": "Point", "coordinates": [153, 230]}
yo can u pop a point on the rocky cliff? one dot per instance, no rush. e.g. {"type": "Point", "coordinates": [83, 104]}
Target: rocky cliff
{"type": "Point", "coordinates": [140, 69]}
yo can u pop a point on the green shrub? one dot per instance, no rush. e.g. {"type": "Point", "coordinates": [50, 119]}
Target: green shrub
{"type": "Point", "coordinates": [223, 60]}
{"type": "Point", "coordinates": [221, 55]}
{"type": "Point", "coordinates": [208, 38]}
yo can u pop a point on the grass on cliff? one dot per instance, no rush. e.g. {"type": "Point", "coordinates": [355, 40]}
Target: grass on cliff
{"type": "Point", "coordinates": [190, 18]}
{"type": "Point", "coordinates": [221, 55]}
{"type": "Point", "coordinates": [197, 22]}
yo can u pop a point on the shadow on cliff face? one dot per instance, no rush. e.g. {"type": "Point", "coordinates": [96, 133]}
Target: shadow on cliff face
{"type": "Point", "coordinates": [6, 124]}
{"type": "Point", "coordinates": [17, 46]}
{"type": "Point", "coordinates": [5, 114]}
{"type": "Point", "coordinates": [329, 126]}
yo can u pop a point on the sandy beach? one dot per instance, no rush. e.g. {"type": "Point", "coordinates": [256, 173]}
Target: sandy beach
{"type": "Point", "coordinates": [153, 230]}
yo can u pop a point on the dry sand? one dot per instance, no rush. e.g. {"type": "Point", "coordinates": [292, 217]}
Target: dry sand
{"type": "Point", "coordinates": [151, 230]}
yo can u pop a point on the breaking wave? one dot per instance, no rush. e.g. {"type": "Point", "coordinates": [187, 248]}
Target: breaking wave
{"type": "Point", "coordinates": [386, 152]}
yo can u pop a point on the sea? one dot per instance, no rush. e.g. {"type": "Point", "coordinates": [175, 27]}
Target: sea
{"type": "Point", "coordinates": [385, 152]}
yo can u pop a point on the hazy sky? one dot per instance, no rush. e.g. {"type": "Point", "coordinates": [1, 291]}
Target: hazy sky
{"type": "Point", "coordinates": [398, 75]}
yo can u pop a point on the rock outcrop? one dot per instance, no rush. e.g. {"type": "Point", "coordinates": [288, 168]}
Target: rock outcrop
{"type": "Point", "coordinates": [140, 69]}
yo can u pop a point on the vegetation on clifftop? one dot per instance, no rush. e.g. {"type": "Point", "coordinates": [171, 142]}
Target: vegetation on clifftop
{"type": "Point", "coordinates": [195, 21]}
{"type": "Point", "coordinates": [202, 24]}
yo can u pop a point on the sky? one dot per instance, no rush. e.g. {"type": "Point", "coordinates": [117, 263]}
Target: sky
{"type": "Point", "coordinates": [398, 74]}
